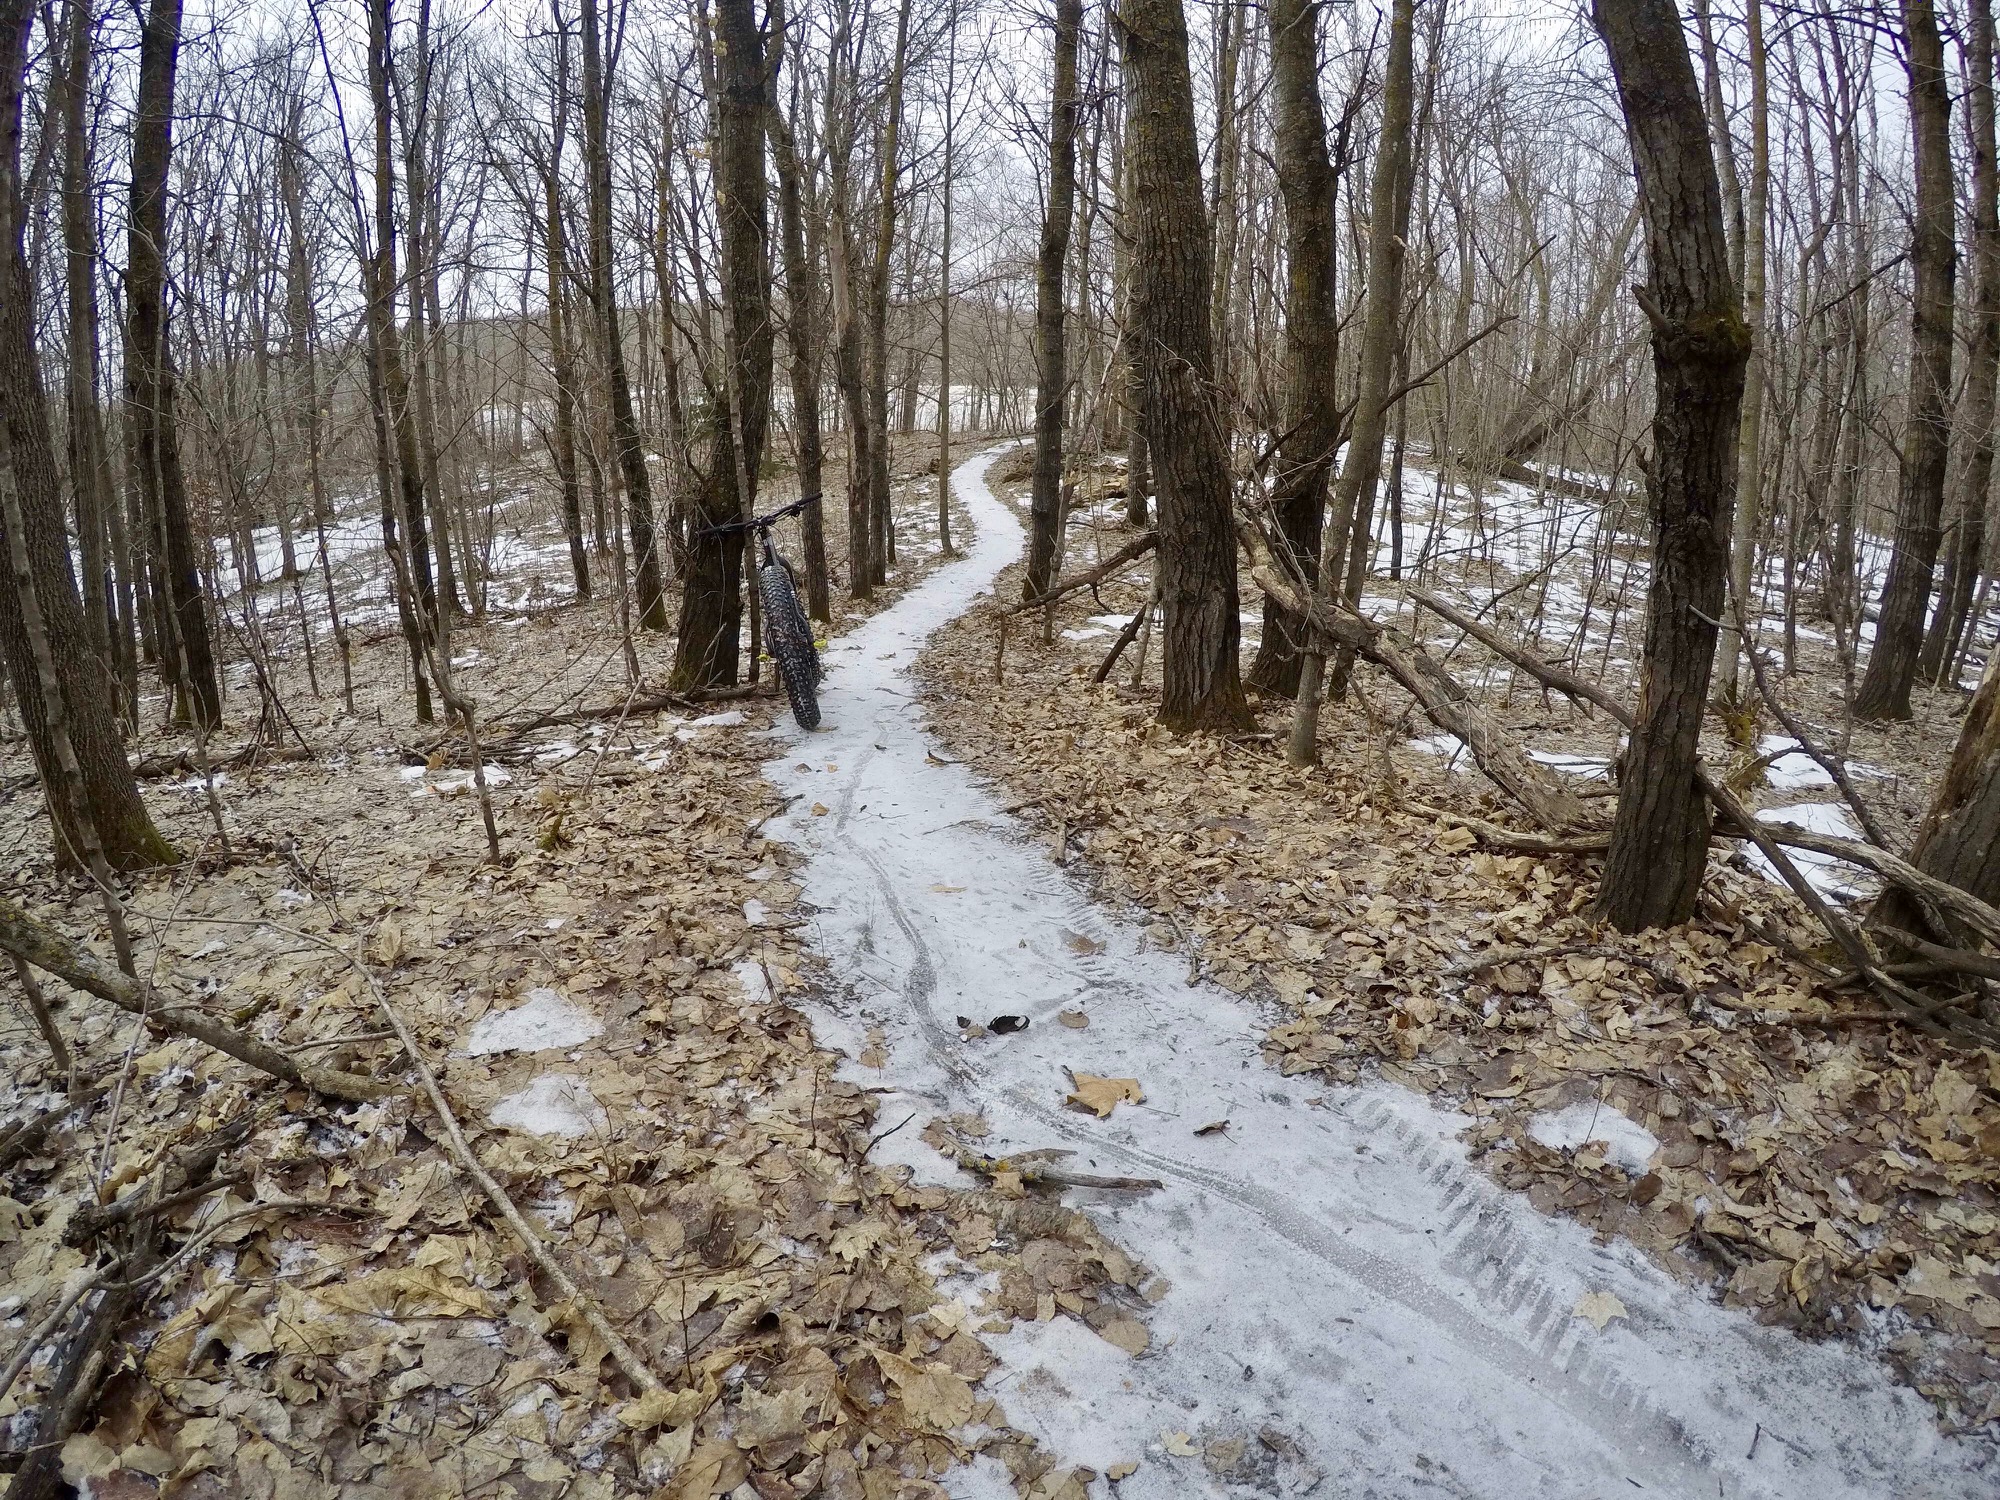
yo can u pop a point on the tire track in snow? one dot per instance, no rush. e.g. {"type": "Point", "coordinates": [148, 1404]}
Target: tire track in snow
{"type": "Point", "coordinates": [1341, 1272]}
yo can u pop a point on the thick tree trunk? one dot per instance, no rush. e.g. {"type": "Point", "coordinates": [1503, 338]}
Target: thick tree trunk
{"type": "Point", "coordinates": [711, 597]}
{"type": "Point", "coordinates": [626, 447]}
{"type": "Point", "coordinates": [149, 372]}
{"type": "Point", "coordinates": [1939, 661]}
{"type": "Point", "coordinates": [1892, 665]}
{"type": "Point", "coordinates": [1051, 351]}
{"type": "Point", "coordinates": [111, 805]}
{"type": "Point", "coordinates": [1354, 489]}
{"type": "Point", "coordinates": [1659, 839]}
{"type": "Point", "coordinates": [1312, 338]}
{"type": "Point", "coordinates": [1171, 334]}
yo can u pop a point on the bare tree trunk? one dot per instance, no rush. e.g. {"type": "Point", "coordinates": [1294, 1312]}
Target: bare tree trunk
{"type": "Point", "coordinates": [1659, 839]}
{"type": "Point", "coordinates": [1354, 489]}
{"type": "Point", "coordinates": [1172, 336]}
{"type": "Point", "coordinates": [630, 454]}
{"type": "Point", "coordinates": [1051, 350]}
{"type": "Point", "coordinates": [1892, 665]}
{"type": "Point", "coordinates": [711, 597]}
{"type": "Point", "coordinates": [882, 529]}
{"type": "Point", "coordinates": [89, 458]}
{"type": "Point", "coordinates": [1312, 339]}
{"type": "Point", "coordinates": [149, 372]}
{"type": "Point", "coordinates": [803, 332]}
{"type": "Point", "coordinates": [1750, 429]}
{"type": "Point", "coordinates": [1939, 661]}
{"type": "Point", "coordinates": [1129, 385]}
{"type": "Point", "coordinates": [944, 295]}
{"type": "Point", "coordinates": [562, 364]}
{"type": "Point", "coordinates": [398, 473]}
{"type": "Point", "coordinates": [304, 373]}
{"type": "Point", "coordinates": [108, 814]}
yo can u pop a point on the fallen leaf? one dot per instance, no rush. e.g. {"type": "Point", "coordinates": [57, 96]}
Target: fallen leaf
{"type": "Point", "coordinates": [1121, 1471]}
{"type": "Point", "coordinates": [1213, 1127]}
{"type": "Point", "coordinates": [933, 1397]}
{"type": "Point", "coordinates": [666, 1408]}
{"type": "Point", "coordinates": [1083, 947]}
{"type": "Point", "coordinates": [820, 809]}
{"type": "Point", "coordinates": [947, 890]}
{"type": "Point", "coordinates": [1075, 1020]}
{"type": "Point", "coordinates": [1101, 1095]}
{"type": "Point", "coordinates": [1598, 1308]}
{"type": "Point", "coordinates": [1179, 1444]}
{"type": "Point", "coordinates": [1128, 1334]}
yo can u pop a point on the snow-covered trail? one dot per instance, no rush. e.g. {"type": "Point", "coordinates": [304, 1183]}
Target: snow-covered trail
{"type": "Point", "coordinates": [1343, 1281]}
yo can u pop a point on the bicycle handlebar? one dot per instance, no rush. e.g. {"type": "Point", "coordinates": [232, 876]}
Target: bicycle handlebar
{"type": "Point", "coordinates": [758, 523]}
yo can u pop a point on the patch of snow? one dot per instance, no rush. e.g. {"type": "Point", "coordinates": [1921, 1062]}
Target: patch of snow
{"type": "Point", "coordinates": [1835, 880]}
{"type": "Point", "coordinates": [1595, 767]}
{"type": "Point", "coordinates": [754, 912]}
{"type": "Point", "coordinates": [750, 974]}
{"type": "Point", "coordinates": [727, 720]}
{"type": "Point", "coordinates": [1628, 1143]}
{"type": "Point", "coordinates": [1450, 746]}
{"type": "Point", "coordinates": [557, 1104]}
{"type": "Point", "coordinates": [545, 1021]}
{"type": "Point", "coordinates": [1794, 770]}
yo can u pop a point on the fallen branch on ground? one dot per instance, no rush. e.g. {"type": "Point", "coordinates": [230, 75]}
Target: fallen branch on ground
{"type": "Point", "coordinates": [71, 961]}
{"type": "Point", "coordinates": [1442, 697]}
{"type": "Point", "coordinates": [186, 762]}
{"type": "Point", "coordinates": [1131, 552]}
{"type": "Point", "coordinates": [1739, 822]}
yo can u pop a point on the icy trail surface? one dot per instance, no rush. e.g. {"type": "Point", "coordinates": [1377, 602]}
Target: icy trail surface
{"type": "Point", "coordinates": [1351, 1301]}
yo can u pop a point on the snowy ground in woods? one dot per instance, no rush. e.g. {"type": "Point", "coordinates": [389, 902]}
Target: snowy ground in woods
{"type": "Point", "coordinates": [1350, 1299]}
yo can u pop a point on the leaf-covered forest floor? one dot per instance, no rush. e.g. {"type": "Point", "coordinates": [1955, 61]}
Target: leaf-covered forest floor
{"type": "Point", "coordinates": [1699, 1092]}
{"type": "Point", "coordinates": [608, 1009]}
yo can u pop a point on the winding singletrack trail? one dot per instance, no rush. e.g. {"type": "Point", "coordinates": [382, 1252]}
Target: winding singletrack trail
{"type": "Point", "coordinates": [1343, 1282]}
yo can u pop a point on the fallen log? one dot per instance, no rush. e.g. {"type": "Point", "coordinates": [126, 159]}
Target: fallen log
{"type": "Point", "coordinates": [1441, 696]}
{"type": "Point", "coordinates": [186, 763]}
{"type": "Point", "coordinates": [69, 960]}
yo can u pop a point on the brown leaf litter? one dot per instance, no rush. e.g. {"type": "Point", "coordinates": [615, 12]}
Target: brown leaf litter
{"type": "Point", "coordinates": [675, 1131]}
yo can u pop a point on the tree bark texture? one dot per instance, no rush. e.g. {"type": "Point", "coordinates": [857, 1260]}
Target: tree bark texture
{"type": "Point", "coordinates": [149, 372]}
{"type": "Point", "coordinates": [1173, 349]}
{"type": "Point", "coordinates": [1892, 665]}
{"type": "Point", "coordinates": [1939, 660]}
{"type": "Point", "coordinates": [27, 450]}
{"type": "Point", "coordinates": [1312, 339]}
{"type": "Point", "coordinates": [630, 453]}
{"type": "Point", "coordinates": [1052, 393]}
{"type": "Point", "coordinates": [1659, 839]}
{"type": "Point", "coordinates": [712, 592]}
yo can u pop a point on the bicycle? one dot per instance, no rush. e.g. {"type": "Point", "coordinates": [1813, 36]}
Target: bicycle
{"type": "Point", "coordinates": [788, 636]}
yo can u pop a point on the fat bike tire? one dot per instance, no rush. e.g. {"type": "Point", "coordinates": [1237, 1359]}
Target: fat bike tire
{"type": "Point", "coordinates": [788, 638]}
